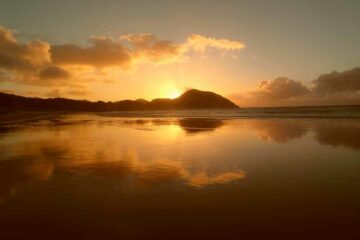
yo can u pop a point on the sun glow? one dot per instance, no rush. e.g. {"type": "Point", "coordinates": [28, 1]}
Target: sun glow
{"type": "Point", "coordinates": [174, 93]}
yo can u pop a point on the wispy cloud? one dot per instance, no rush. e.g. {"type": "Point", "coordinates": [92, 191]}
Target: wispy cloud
{"type": "Point", "coordinates": [200, 43]}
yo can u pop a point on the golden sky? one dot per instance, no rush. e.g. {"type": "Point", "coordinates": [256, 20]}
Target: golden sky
{"type": "Point", "coordinates": [254, 53]}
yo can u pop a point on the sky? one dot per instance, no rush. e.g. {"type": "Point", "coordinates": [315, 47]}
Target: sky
{"type": "Point", "coordinates": [257, 53]}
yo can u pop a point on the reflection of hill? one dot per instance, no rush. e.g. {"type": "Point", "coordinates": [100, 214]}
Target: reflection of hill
{"type": "Point", "coordinates": [192, 99]}
{"type": "Point", "coordinates": [190, 125]}
{"type": "Point", "coordinates": [194, 125]}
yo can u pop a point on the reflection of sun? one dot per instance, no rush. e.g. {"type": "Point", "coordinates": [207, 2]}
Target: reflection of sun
{"type": "Point", "coordinates": [174, 93]}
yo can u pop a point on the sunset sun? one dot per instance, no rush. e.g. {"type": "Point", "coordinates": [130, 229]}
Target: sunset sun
{"type": "Point", "coordinates": [174, 93]}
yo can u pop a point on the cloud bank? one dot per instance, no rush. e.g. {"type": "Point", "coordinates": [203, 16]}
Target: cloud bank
{"type": "Point", "coordinates": [68, 68]}
{"type": "Point", "coordinates": [338, 82]}
{"type": "Point", "coordinates": [336, 88]}
{"type": "Point", "coordinates": [39, 63]}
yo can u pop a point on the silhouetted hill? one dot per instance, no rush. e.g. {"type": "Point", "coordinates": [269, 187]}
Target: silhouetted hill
{"type": "Point", "coordinates": [192, 99]}
{"type": "Point", "coordinates": [201, 99]}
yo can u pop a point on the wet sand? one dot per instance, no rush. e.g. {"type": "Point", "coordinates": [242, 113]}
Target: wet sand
{"type": "Point", "coordinates": [88, 176]}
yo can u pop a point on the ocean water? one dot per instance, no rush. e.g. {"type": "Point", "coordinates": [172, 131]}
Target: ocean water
{"type": "Point", "coordinates": [244, 174]}
{"type": "Point", "coordinates": [287, 112]}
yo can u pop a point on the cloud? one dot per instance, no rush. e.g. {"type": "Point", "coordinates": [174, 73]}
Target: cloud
{"type": "Point", "coordinates": [54, 72]}
{"type": "Point", "coordinates": [281, 88]}
{"type": "Point", "coordinates": [102, 52]}
{"type": "Point", "coordinates": [149, 47]}
{"type": "Point", "coordinates": [64, 66]}
{"type": "Point", "coordinates": [79, 91]}
{"type": "Point", "coordinates": [54, 93]}
{"type": "Point", "coordinates": [281, 91]}
{"type": "Point", "coordinates": [28, 63]}
{"type": "Point", "coordinates": [15, 56]}
{"type": "Point", "coordinates": [335, 82]}
{"type": "Point", "coordinates": [72, 91]}
{"type": "Point", "coordinates": [201, 43]}
{"type": "Point", "coordinates": [134, 48]}
{"type": "Point", "coordinates": [18, 92]}
{"type": "Point", "coordinates": [336, 88]}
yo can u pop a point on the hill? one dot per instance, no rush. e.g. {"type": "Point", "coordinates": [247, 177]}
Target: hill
{"type": "Point", "coordinates": [191, 99]}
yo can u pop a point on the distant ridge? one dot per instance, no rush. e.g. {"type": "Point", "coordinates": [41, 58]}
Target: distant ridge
{"type": "Point", "coordinates": [191, 99]}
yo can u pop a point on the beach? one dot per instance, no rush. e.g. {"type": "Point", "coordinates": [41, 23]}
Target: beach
{"type": "Point", "coordinates": [178, 176]}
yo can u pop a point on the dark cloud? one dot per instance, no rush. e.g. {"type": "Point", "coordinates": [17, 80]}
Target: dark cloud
{"type": "Point", "coordinates": [79, 91]}
{"type": "Point", "coordinates": [281, 91]}
{"type": "Point", "coordinates": [280, 88]}
{"type": "Point", "coordinates": [28, 63]}
{"type": "Point", "coordinates": [18, 57]}
{"type": "Point", "coordinates": [103, 52]}
{"type": "Point", "coordinates": [71, 91]}
{"type": "Point", "coordinates": [347, 81]}
{"type": "Point", "coordinates": [54, 72]}
{"type": "Point", "coordinates": [336, 88]}
{"type": "Point", "coordinates": [54, 93]}
{"type": "Point", "coordinates": [18, 92]}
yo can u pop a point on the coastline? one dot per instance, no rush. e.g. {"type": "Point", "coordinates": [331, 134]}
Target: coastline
{"type": "Point", "coordinates": [350, 112]}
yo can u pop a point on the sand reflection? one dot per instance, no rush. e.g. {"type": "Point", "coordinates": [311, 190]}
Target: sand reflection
{"type": "Point", "coordinates": [331, 132]}
{"type": "Point", "coordinates": [46, 150]}
{"type": "Point", "coordinates": [279, 130]}
{"type": "Point", "coordinates": [166, 155]}
{"type": "Point", "coordinates": [344, 133]}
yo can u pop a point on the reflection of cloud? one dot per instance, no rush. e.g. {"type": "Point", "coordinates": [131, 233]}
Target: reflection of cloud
{"type": "Point", "coordinates": [53, 150]}
{"type": "Point", "coordinates": [335, 133]}
{"type": "Point", "coordinates": [279, 130]}
{"type": "Point", "coordinates": [160, 172]}
{"type": "Point", "coordinates": [202, 178]}
{"type": "Point", "coordinates": [41, 170]}
{"type": "Point", "coordinates": [21, 170]}
{"type": "Point", "coordinates": [154, 173]}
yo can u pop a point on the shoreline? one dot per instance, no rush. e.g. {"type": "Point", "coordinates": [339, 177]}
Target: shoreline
{"type": "Point", "coordinates": [24, 116]}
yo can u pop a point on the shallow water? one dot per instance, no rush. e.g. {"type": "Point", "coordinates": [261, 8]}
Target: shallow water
{"type": "Point", "coordinates": [103, 176]}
